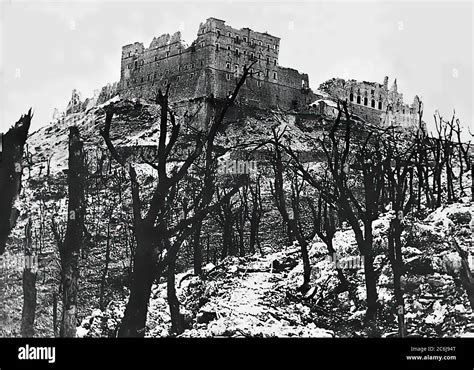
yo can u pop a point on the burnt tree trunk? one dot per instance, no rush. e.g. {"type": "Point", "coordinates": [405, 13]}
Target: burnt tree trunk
{"type": "Point", "coordinates": [370, 275]}
{"type": "Point", "coordinates": [144, 273]}
{"type": "Point", "coordinates": [395, 256]}
{"type": "Point", "coordinates": [103, 279]}
{"type": "Point", "coordinates": [55, 314]}
{"type": "Point", "coordinates": [10, 174]}
{"type": "Point", "coordinates": [71, 246]}
{"type": "Point", "coordinates": [177, 319]}
{"type": "Point", "coordinates": [11, 153]}
{"type": "Point", "coordinates": [197, 250]}
{"type": "Point", "coordinates": [29, 287]}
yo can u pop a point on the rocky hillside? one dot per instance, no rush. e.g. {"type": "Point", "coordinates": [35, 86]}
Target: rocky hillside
{"type": "Point", "coordinates": [254, 295]}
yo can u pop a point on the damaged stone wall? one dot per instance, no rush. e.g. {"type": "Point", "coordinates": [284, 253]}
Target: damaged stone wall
{"type": "Point", "coordinates": [374, 102]}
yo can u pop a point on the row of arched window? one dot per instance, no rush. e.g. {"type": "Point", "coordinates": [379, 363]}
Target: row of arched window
{"type": "Point", "coordinates": [366, 101]}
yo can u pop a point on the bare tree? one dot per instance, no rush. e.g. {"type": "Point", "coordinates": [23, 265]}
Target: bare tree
{"type": "Point", "coordinates": [29, 285]}
{"type": "Point", "coordinates": [399, 173]}
{"type": "Point", "coordinates": [354, 166]}
{"type": "Point", "coordinates": [10, 174]}
{"type": "Point", "coordinates": [255, 215]}
{"type": "Point", "coordinates": [70, 247]}
{"type": "Point", "coordinates": [154, 232]}
{"type": "Point", "coordinates": [290, 219]}
{"type": "Point", "coordinates": [12, 144]}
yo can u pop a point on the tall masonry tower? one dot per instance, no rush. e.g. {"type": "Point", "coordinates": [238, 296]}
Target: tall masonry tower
{"type": "Point", "coordinates": [211, 66]}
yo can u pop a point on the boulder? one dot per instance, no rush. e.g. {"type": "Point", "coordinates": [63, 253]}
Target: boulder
{"type": "Point", "coordinates": [460, 217]}
{"type": "Point", "coordinates": [419, 265]}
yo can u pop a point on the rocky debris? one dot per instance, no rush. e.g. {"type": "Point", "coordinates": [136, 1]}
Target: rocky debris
{"type": "Point", "coordinates": [257, 296]}
{"type": "Point", "coordinates": [102, 323]}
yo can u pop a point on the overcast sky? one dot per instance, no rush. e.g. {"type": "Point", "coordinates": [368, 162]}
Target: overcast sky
{"type": "Point", "coordinates": [49, 48]}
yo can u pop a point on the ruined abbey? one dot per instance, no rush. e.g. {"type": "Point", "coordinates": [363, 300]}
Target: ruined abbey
{"type": "Point", "coordinates": [215, 61]}
{"type": "Point", "coordinates": [211, 67]}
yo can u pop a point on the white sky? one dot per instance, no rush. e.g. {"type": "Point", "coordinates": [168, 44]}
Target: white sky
{"type": "Point", "coordinates": [49, 48]}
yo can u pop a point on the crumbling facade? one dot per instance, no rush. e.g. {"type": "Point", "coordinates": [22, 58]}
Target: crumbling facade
{"type": "Point", "coordinates": [375, 102]}
{"type": "Point", "coordinates": [211, 66]}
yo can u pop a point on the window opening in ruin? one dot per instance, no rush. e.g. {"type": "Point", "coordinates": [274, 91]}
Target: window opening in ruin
{"type": "Point", "coordinates": [380, 105]}
{"type": "Point", "coordinates": [351, 97]}
{"type": "Point", "coordinates": [217, 47]}
{"type": "Point", "coordinates": [274, 75]}
{"type": "Point", "coordinates": [358, 99]}
{"type": "Point", "coordinates": [245, 38]}
{"type": "Point", "coordinates": [365, 101]}
{"type": "Point", "coordinates": [218, 32]}
{"type": "Point", "coordinates": [372, 103]}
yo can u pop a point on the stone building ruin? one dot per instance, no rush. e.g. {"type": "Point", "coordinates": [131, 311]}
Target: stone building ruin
{"type": "Point", "coordinates": [211, 66]}
{"type": "Point", "coordinates": [375, 102]}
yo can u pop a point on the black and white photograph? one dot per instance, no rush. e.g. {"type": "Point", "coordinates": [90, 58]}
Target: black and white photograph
{"type": "Point", "coordinates": [237, 169]}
